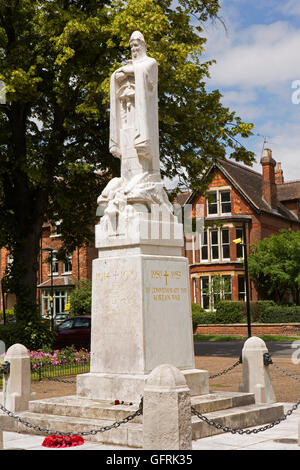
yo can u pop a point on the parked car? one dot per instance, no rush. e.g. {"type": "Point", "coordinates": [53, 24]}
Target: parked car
{"type": "Point", "coordinates": [60, 317]}
{"type": "Point", "coordinates": [75, 331]}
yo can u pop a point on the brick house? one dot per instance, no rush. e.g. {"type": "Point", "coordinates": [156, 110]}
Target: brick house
{"type": "Point", "coordinates": [77, 267]}
{"type": "Point", "coordinates": [237, 198]}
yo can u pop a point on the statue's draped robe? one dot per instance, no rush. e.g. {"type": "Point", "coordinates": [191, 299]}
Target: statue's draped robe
{"type": "Point", "coordinates": [146, 139]}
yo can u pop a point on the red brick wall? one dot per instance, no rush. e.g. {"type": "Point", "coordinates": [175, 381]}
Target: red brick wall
{"type": "Point", "coordinates": [86, 256]}
{"type": "Point", "coordinates": [260, 226]}
{"type": "Point", "coordinates": [239, 329]}
{"type": "Point", "coordinates": [81, 266]}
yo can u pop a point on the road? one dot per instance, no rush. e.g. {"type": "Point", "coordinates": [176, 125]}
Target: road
{"type": "Point", "coordinates": [234, 348]}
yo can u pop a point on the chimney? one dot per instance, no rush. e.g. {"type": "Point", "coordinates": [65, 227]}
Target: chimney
{"type": "Point", "coordinates": [278, 174]}
{"type": "Point", "coordinates": [269, 190]}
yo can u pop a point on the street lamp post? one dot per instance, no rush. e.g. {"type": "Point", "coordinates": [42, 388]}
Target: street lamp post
{"type": "Point", "coordinates": [50, 250]}
{"type": "Point", "coordinates": [244, 245]}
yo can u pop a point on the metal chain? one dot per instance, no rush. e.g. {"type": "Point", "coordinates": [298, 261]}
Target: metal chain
{"type": "Point", "coordinates": [226, 370]}
{"type": "Point", "coordinates": [285, 372]}
{"type": "Point", "coordinates": [92, 432]}
{"type": "Point", "coordinates": [246, 431]}
{"type": "Point", "coordinates": [56, 379]}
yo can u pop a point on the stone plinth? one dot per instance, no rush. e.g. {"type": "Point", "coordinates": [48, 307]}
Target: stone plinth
{"type": "Point", "coordinates": [167, 410]}
{"type": "Point", "coordinates": [256, 377]}
{"type": "Point", "coordinates": [17, 385]}
{"type": "Point", "coordinates": [141, 318]}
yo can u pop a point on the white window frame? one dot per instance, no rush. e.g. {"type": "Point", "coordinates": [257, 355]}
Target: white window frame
{"type": "Point", "coordinates": [224, 244]}
{"type": "Point", "coordinates": [54, 262]}
{"type": "Point", "coordinates": [226, 202]}
{"type": "Point", "coordinates": [54, 233]}
{"type": "Point", "coordinates": [202, 278]}
{"type": "Point", "coordinates": [60, 295]}
{"type": "Point", "coordinates": [244, 291]}
{"type": "Point", "coordinates": [242, 237]}
{"type": "Point", "coordinates": [214, 244]}
{"type": "Point", "coordinates": [211, 294]}
{"type": "Point", "coordinates": [210, 203]}
{"type": "Point", "coordinates": [194, 290]}
{"type": "Point", "coordinates": [70, 261]}
{"type": "Point", "coordinates": [203, 245]}
{"type": "Point", "coordinates": [218, 202]}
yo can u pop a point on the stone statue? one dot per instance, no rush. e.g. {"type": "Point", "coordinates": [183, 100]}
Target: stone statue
{"type": "Point", "coordinates": [134, 136]}
{"type": "Point", "coordinates": [134, 112]}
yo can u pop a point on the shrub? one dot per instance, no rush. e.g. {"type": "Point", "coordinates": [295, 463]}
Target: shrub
{"type": "Point", "coordinates": [200, 316]}
{"type": "Point", "coordinates": [228, 311]}
{"type": "Point", "coordinates": [281, 314]}
{"type": "Point", "coordinates": [263, 305]}
{"type": "Point", "coordinates": [8, 314]}
{"type": "Point", "coordinates": [81, 299]}
{"type": "Point", "coordinates": [256, 308]}
{"type": "Point", "coordinates": [33, 335]}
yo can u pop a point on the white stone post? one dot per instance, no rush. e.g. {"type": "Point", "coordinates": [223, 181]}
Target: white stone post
{"type": "Point", "coordinates": [16, 385]}
{"type": "Point", "coordinates": [167, 410]}
{"type": "Point", "coordinates": [256, 377]}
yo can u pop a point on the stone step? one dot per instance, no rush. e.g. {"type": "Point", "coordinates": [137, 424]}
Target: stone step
{"type": "Point", "coordinates": [239, 412]}
{"type": "Point", "coordinates": [221, 401]}
{"type": "Point", "coordinates": [97, 409]}
{"type": "Point", "coordinates": [237, 418]}
{"type": "Point", "coordinates": [129, 434]}
{"type": "Point", "coordinates": [83, 408]}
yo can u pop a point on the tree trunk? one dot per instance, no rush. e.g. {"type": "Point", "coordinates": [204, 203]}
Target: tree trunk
{"type": "Point", "coordinates": [24, 275]}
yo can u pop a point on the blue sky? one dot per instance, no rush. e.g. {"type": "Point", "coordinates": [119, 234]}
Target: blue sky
{"type": "Point", "coordinates": [258, 60]}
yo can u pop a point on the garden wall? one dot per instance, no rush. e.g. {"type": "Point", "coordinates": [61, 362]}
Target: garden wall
{"type": "Point", "coordinates": [241, 329]}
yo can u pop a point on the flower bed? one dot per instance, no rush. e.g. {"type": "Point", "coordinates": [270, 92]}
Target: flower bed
{"type": "Point", "coordinates": [59, 357]}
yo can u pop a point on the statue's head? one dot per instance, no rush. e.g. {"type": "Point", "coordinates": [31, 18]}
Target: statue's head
{"type": "Point", "coordinates": [137, 45]}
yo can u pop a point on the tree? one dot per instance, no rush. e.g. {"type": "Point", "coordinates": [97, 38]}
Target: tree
{"type": "Point", "coordinates": [56, 60]}
{"type": "Point", "coordinates": [274, 265]}
{"type": "Point", "coordinates": [81, 299]}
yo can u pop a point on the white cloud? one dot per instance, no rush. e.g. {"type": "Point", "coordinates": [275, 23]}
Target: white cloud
{"type": "Point", "coordinates": [289, 8]}
{"type": "Point", "coordinates": [256, 66]}
{"type": "Point", "coordinates": [261, 55]}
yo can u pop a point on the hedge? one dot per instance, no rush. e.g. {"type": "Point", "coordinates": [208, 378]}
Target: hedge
{"type": "Point", "coordinates": [199, 315]}
{"type": "Point", "coordinates": [281, 314]}
{"type": "Point", "coordinates": [261, 311]}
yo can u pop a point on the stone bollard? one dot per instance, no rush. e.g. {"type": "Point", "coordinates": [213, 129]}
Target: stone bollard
{"type": "Point", "coordinates": [16, 385]}
{"type": "Point", "coordinates": [256, 377]}
{"type": "Point", "coordinates": [1, 440]}
{"type": "Point", "coordinates": [167, 410]}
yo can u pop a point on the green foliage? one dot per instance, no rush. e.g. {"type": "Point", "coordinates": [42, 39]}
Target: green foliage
{"type": "Point", "coordinates": [260, 308]}
{"type": "Point", "coordinates": [8, 314]}
{"type": "Point", "coordinates": [281, 314]}
{"type": "Point", "coordinates": [274, 265]}
{"type": "Point", "coordinates": [34, 335]}
{"type": "Point", "coordinates": [200, 316]}
{"type": "Point", "coordinates": [56, 60]}
{"type": "Point", "coordinates": [256, 308]}
{"type": "Point", "coordinates": [81, 299]}
{"type": "Point", "coordinates": [229, 312]}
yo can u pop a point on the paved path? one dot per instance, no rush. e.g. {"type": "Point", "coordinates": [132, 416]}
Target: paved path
{"type": "Point", "coordinates": [234, 348]}
{"type": "Point", "coordinates": [283, 436]}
